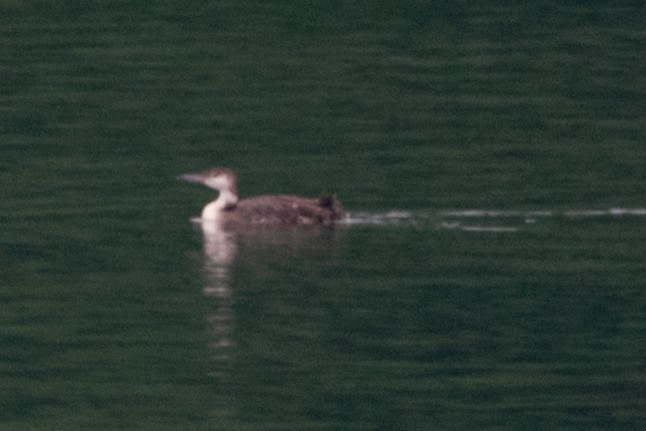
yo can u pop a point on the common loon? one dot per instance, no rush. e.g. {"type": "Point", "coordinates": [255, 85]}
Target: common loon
{"type": "Point", "coordinates": [228, 209]}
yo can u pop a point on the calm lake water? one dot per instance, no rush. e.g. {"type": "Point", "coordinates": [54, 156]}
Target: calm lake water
{"type": "Point", "coordinates": [491, 273]}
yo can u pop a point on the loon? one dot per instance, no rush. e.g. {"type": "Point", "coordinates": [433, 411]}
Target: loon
{"type": "Point", "coordinates": [228, 209]}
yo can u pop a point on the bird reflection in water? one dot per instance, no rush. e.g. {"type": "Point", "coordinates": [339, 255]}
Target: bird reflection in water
{"type": "Point", "coordinates": [254, 250]}
{"type": "Point", "coordinates": [220, 249]}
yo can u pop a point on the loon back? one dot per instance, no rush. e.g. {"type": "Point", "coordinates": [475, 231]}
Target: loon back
{"type": "Point", "coordinates": [285, 209]}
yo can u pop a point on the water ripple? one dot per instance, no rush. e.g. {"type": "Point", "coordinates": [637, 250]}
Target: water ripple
{"type": "Point", "coordinates": [482, 220]}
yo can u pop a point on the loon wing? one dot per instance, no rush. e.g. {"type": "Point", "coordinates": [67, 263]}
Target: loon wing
{"type": "Point", "coordinates": [287, 209]}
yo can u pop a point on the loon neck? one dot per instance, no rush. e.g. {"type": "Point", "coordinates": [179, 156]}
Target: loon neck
{"type": "Point", "coordinates": [227, 200]}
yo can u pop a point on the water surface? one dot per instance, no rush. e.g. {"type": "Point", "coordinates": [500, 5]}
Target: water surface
{"type": "Point", "coordinates": [490, 275]}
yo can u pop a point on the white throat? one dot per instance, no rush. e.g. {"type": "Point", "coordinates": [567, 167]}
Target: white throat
{"type": "Point", "coordinates": [225, 201]}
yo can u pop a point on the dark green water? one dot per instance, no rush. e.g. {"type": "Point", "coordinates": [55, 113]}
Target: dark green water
{"type": "Point", "coordinates": [421, 313]}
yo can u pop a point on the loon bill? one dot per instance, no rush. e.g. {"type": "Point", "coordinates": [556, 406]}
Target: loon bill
{"type": "Point", "coordinates": [229, 209]}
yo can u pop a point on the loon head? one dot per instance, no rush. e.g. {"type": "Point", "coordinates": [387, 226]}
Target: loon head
{"type": "Point", "coordinates": [220, 179]}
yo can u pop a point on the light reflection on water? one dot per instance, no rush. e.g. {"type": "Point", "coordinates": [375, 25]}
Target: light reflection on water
{"type": "Point", "coordinates": [482, 220]}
